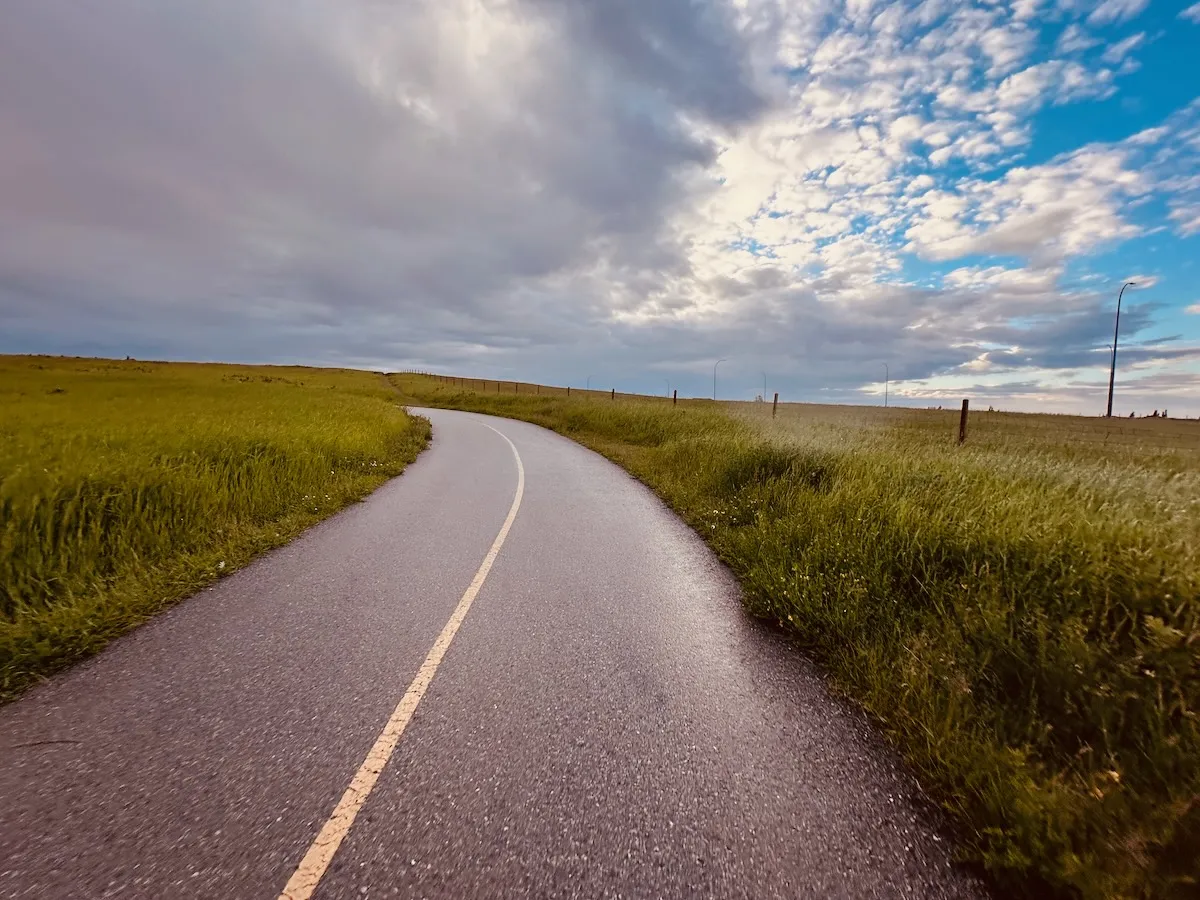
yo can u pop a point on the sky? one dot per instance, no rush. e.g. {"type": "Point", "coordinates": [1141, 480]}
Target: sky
{"type": "Point", "coordinates": [942, 193]}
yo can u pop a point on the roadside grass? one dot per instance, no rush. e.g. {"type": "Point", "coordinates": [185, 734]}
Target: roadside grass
{"type": "Point", "coordinates": [126, 486]}
{"type": "Point", "coordinates": [1021, 614]}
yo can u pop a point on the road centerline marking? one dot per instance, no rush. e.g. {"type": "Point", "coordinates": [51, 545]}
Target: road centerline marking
{"type": "Point", "coordinates": [320, 853]}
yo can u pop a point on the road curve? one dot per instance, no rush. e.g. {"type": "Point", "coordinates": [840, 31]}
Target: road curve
{"type": "Point", "coordinates": [606, 721]}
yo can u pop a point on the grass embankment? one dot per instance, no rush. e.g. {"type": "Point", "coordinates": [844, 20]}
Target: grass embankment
{"type": "Point", "coordinates": [126, 486]}
{"type": "Point", "coordinates": [1022, 614]}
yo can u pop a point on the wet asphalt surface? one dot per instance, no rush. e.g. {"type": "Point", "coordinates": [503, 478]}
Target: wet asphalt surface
{"type": "Point", "coordinates": [607, 722]}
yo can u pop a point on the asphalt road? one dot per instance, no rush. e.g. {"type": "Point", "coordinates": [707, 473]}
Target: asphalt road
{"type": "Point", "coordinates": [605, 723]}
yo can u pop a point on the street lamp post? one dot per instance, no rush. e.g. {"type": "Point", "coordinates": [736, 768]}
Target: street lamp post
{"type": "Point", "coordinates": [1112, 372]}
{"type": "Point", "coordinates": [668, 383]}
{"type": "Point", "coordinates": [589, 383]}
{"type": "Point", "coordinates": [886, 378]}
{"type": "Point", "coordinates": [717, 363]}
{"type": "Point", "coordinates": [764, 386]}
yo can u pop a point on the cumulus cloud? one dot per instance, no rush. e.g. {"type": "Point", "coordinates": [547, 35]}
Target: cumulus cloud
{"type": "Point", "coordinates": [1044, 213]}
{"type": "Point", "coordinates": [527, 186]}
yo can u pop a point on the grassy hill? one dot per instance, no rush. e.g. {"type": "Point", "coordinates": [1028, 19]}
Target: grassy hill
{"type": "Point", "coordinates": [125, 486]}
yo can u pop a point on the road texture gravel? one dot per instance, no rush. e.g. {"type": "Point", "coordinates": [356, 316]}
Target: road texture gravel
{"type": "Point", "coordinates": [606, 723]}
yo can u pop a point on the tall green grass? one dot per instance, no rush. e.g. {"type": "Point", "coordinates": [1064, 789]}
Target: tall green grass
{"type": "Point", "coordinates": [1021, 614]}
{"type": "Point", "coordinates": [125, 486]}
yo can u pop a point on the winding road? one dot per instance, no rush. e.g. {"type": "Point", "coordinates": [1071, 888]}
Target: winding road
{"type": "Point", "coordinates": [511, 672]}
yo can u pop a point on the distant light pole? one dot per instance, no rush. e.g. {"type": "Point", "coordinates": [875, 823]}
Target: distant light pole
{"type": "Point", "coordinates": [764, 385]}
{"type": "Point", "coordinates": [668, 383]}
{"type": "Point", "coordinates": [589, 383]}
{"type": "Point", "coordinates": [1112, 372]}
{"type": "Point", "coordinates": [886, 378]}
{"type": "Point", "coordinates": [717, 363]}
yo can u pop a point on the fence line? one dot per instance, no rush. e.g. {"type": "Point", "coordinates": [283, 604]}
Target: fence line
{"type": "Point", "coordinates": [985, 425]}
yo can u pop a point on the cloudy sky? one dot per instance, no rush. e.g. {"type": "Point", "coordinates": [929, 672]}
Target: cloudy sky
{"type": "Point", "coordinates": [623, 189]}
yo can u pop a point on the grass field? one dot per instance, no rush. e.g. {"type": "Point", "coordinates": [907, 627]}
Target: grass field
{"type": "Point", "coordinates": [126, 486]}
{"type": "Point", "coordinates": [1021, 614]}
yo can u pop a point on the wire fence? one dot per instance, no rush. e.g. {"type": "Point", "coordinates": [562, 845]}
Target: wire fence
{"type": "Point", "coordinates": [1157, 432]}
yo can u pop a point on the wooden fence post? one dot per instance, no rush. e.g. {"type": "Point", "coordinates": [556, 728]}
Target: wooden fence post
{"type": "Point", "coordinates": [775, 404]}
{"type": "Point", "coordinates": [568, 390]}
{"type": "Point", "coordinates": [962, 423]}
{"type": "Point", "coordinates": [675, 397]}
{"type": "Point", "coordinates": [614, 394]}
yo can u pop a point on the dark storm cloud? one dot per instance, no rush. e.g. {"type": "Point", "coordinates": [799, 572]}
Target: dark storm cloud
{"type": "Point", "coordinates": [686, 54]}
{"type": "Point", "coordinates": [175, 162]}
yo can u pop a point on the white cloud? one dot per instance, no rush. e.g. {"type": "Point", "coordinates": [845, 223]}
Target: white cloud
{"type": "Point", "coordinates": [1194, 309]}
{"type": "Point", "coordinates": [1140, 281]}
{"type": "Point", "coordinates": [1028, 87]}
{"type": "Point", "coordinates": [1187, 218]}
{"type": "Point", "coordinates": [1191, 14]}
{"type": "Point", "coordinates": [1078, 82]}
{"type": "Point", "coordinates": [1116, 11]}
{"type": "Point", "coordinates": [1175, 160]}
{"type": "Point", "coordinates": [1117, 52]}
{"type": "Point", "coordinates": [920, 184]}
{"type": "Point", "coordinates": [1074, 39]}
{"type": "Point", "coordinates": [1046, 213]}
{"type": "Point", "coordinates": [1149, 135]}
{"type": "Point", "coordinates": [1024, 10]}
{"type": "Point", "coordinates": [1007, 46]}
{"type": "Point", "coordinates": [1056, 81]}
